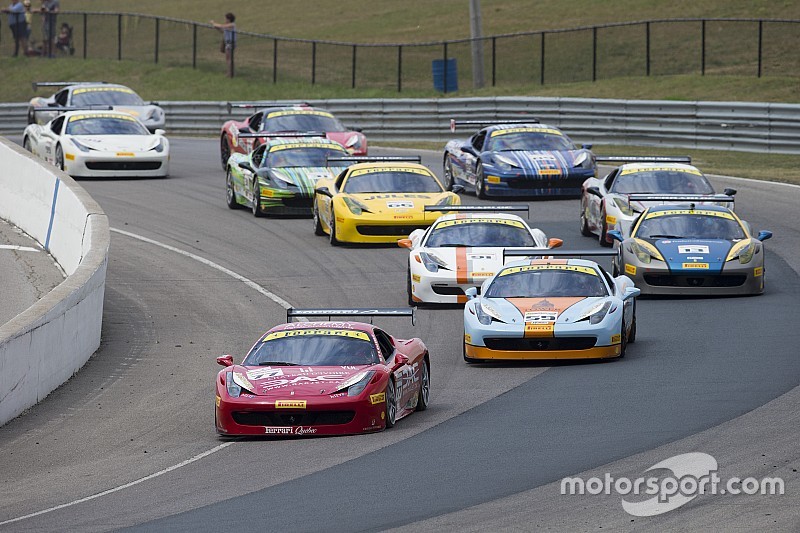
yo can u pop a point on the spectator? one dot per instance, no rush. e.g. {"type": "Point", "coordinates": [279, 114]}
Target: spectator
{"type": "Point", "coordinates": [64, 39]}
{"type": "Point", "coordinates": [16, 21]}
{"type": "Point", "coordinates": [28, 24]}
{"type": "Point", "coordinates": [228, 29]}
{"type": "Point", "coordinates": [49, 11]}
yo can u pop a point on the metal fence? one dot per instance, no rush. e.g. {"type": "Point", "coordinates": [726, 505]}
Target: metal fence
{"type": "Point", "coordinates": [745, 126]}
{"type": "Point", "coordinates": [749, 47]}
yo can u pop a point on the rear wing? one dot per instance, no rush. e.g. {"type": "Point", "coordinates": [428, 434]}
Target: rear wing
{"type": "Point", "coordinates": [547, 252]}
{"type": "Point", "coordinates": [281, 135]}
{"type": "Point", "coordinates": [481, 208]}
{"type": "Point", "coordinates": [37, 84]}
{"type": "Point", "coordinates": [643, 159]}
{"type": "Point", "coordinates": [262, 105]}
{"type": "Point", "coordinates": [375, 158]}
{"type": "Point", "coordinates": [681, 198]}
{"type": "Point", "coordinates": [482, 123]}
{"type": "Point", "coordinates": [62, 109]}
{"type": "Point", "coordinates": [293, 313]}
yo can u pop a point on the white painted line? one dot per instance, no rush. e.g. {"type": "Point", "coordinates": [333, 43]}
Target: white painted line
{"type": "Point", "coordinates": [121, 487]}
{"type": "Point", "coordinates": [18, 248]}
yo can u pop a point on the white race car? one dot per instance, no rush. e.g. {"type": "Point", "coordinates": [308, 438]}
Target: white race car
{"type": "Point", "coordinates": [606, 204]}
{"type": "Point", "coordinates": [460, 251]}
{"type": "Point", "coordinates": [99, 144]}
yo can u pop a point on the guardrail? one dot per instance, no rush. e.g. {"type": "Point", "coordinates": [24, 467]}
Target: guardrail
{"type": "Point", "coordinates": [46, 344]}
{"type": "Point", "coordinates": [738, 126]}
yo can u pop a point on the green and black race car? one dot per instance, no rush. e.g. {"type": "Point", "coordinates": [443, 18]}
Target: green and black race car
{"type": "Point", "coordinates": [279, 176]}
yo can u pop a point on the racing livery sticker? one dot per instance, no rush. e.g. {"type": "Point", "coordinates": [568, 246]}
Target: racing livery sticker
{"type": "Point", "coordinates": [102, 90]}
{"type": "Point", "coordinates": [528, 268]}
{"type": "Point", "coordinates": [459, 222]}
{"type": "Point", "coordinates": [693, 249]}
{"type": "Point", "coordinates": [276, 114]}
{"type": "Point", "coordinates": [636, 169]}
{"type": "Point", "coordinates": [540, 317]}
{"type": "Point", "coordinates": [758, 271]}
{"type": "Point", "coordinates": [695, 265]}
{"type": "Point", "coordinates": [76, 118]}
{"type": "Point", "coordinates": [375, 399]}
{"type": "Point", "coordinates": [526, 129]}
{"type": "Point", "coordinates": [630, 269]}
{"type": "Point", "coordinates": [290, 404]}
{"type": "Point", "coordinates": [374, 170]}
{"type": "Point", "coordinates": [400, 204]}
{"type": "Point", "coordinates": [317, 331]}
{"type": "Point", "coordinates": [266, 372]}
{"type": "Point", "coordinates": [703, 212]}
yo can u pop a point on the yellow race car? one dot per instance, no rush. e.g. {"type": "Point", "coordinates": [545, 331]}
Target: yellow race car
{"type": "Point", "coordinates": [378, 200]}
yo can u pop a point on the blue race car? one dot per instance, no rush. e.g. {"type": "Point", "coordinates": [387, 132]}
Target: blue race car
{"type": "Point", "coordinates": [517, 158]}
{"type": "Point", "coordinates": [550, 308]}
{"type": "Point", "coordinates": [689, 248]}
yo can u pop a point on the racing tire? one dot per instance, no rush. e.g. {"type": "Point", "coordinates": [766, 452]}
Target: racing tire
{"type": "Point", "coordinates": [480, 182]}
{"type": "Point", "coordinates": [623, 343]}
{"type": "Point", "coordinates": [411, 302]}
{"type": "Point", "coordinates": [423, 397]}
{"type": "Point", "coordinates": [224, 151]}
{"type": "Point", "coordinates": [632, 334]}
{"type": "Point", "coordinates": [59, 157]}
{"type": "Point", "coordinates": [332, 227]}
{"type": "Point", "coordinates": [585, 231]}
{"type": "Point", "coordinates": [449, 180]}
{"type": "Point", "coordinates": [230, 194]}
{"type": "Point", "coordinates": [604, 230]}
{"type": "Point", "coordinates": [257, 212]}
{"type": "Point", "coordinates": [26, 144]}
{"type": "Point", "coordinates": [391, 404]}
{"type": "Point", "coordinates": [317, 223]}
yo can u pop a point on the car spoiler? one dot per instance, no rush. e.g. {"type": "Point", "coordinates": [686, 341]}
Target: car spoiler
{"type": "Point", "coordinates": [82, 108]}
{"type": "Point", "coordinates": [643, 159]}
{"type": "Point", "coordinates": [482, 123]}
{"type": "Point", "coordinates": [37, 84]}
{"type": "Point", "coordinates": [681, 198]}
{"type": "Point", "coordinates": [262, 105]}
{"type": "Point", "coordinates": [375, 158]}
{"type": "Point", "coordinates": [480, 208]}
{"type": "Point", "coordinates": [281, 135]}
{"type": "Point", "coordinates": [548, 252]}
{"type": "Point", "coordinates": [293, 313]}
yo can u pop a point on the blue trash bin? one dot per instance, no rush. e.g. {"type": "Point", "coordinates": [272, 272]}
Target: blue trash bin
{"type": "Point", "coordinates": [438, 75]}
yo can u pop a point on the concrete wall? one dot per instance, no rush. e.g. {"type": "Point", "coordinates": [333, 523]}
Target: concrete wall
{"type": "Point", "coordinates": [46, 344]}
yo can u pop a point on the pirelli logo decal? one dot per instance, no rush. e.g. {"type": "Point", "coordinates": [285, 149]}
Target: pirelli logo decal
{"type": "Point", "coordinates": [697, 266]}
{"type": "Point", "coordinates": [703, 212]}
{"type": "Point", "coordinates": [290, 404]}
{"type": "Point", "coordinates": [539, 330]}
{"type": "Point", "coordinates": [529, 268]}
{"type": "Point", "coordinates": [382, 170]}
{"type": "Point", "coordinates": [534, 129]}
{"type": "Point", "coordinates": [462, 221]}
{"type": "Point", "coordinates": [636, 169]}
{"type": "Point", "coordinates": [317, 331]}
{"type": "Point", "coordinates": [276, 114]}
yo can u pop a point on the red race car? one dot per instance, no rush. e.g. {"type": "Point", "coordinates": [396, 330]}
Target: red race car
{"type": "Point", "coordinates": [323, 378]}
{"type": "Point", "coordinates": [285, 118]}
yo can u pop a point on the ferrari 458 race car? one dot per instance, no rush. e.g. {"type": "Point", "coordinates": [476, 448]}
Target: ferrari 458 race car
{"type": "Point", "coordinates": [323, 378]}
{"type": "Point", "coordinates": [99, 144]}
{"type": "Point", "coordinates": [691, 249]}
{"type": "Point", "coordinates": [378, 200]}
{"type": "Point", "coordinates": [279, 176]}
{"type": "Point", "coordinates": [461, 250]}
{"type": "Point", "coordinates": [550, 308]}
{"type": "Point", "coordinates": [517, 158]}
{"type": "Point", "coordinates": [606, 204]}
{"type": "Point", "coordinates": [285, 118]}
{"type": "Point", "coordinates": [88, 94]}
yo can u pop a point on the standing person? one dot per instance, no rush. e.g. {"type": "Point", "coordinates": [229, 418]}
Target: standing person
{"type": "Point", "coordinates": [49, 10]}
{"type": "Point", "coordinates": [16, 21]}
{"type": "Point", "coordinates": [228, 29]}
{"type": "Point", "coordinates": [28, 25]}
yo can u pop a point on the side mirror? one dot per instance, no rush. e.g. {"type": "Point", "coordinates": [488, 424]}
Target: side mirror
{"type": "Point", "coordinates": [246, 165]}
{"type": "Point", "coordinates": [324, 191]}
{"type": "Point", "coordinates": [586, 146]}
{"type": "Point", "coordinates": [469, 149]}
{"type": "Point", "coordinates": [554, 243]}
{"type": "Point", "coordinates": [225, 360]}
{"type": "Point", "coordinates": [615, 234]}
{"type": "Point", "coordinates": [159, 131]}
{"type": "Point", "coordinates": [764, 235]}
{"type": "Point", "coordinates": [631, 292]}
{"type": "Point", "coordinates": [458, 189]}
{"type": "Point", "coordinates": [471, 293]}
{"type": "Point", "coordinates": [399, 360]}
{"type": "Point", "coordinates": [155, 104]}
{"type": "Point", "coordinates": [729, 192]}
{"type": "Point", "coordinates": [405, 243]}
{"type": "Point", "coordinates": [594, 191]}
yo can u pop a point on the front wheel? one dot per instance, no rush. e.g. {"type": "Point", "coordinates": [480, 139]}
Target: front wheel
{"type": "Point", "coordinates": [59, 157]}
{"type": "Point", "coordinates": [411, 302]}
{"type": "Point", "coordinates": [332, 227]}
{"type": "Point", "coordinates": [424, 387]}
{"type": "Point", "coordinates": [224, 151]}
{"type": "Point", "coordinates": [230, 194]}
{"type": "Point", "coordinates": [585, 231]}
{"type": "Point", "coordinates": [449, 180]}
{"type": "Point", "coordinates": [480, 182]}
{"type": "Point", "coordinates": [317, 223]}
{"type": "Point", "coordinates": [257, 210]}
{"type": "Point", "coordinates": [26, 144]}
{"type": "Point", "coordinates": [391, 404]}
{"type": "Point", "coordinates": [604, 230]}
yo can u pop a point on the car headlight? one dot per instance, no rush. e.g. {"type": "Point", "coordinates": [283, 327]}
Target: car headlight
{"type": "Point", "coordinates": [743, 250]}
{"type": "Point", "coordinates": [355, 206]}
{"type": "Point", "coordinates": [645, 251]}
{"type": "Point", "coordinates": [486, 313]}
{"type": "Point", "coordinates": [353, 142]}
{"type": "Point", "coordinates": [624, 207]}
{"type": "Point", "coordinates": [153, 114]}
{"type": "Point", "coordinates": [447, 200]}
{"type": "Point", "coordinates": [80, 146]}
{"type": "Point", "coordinates": [596, 313]}
{"type": "Point", "coordinates": [158, 147]}
{"type": "Point", "coordinates": [356, 383]}
{"type": "Point", "coordinates": [583, 160]}
{"type": "Point", "coordinates": [505, 163]}
{"type": "Point", "coordinates": [432, 262]}
{"type": "Point", "coordinates": [235, 383]}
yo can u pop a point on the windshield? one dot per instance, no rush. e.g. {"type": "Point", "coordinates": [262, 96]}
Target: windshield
{"type": "Point", "coordinates": [546, 281]}
{"type": "Point", "coordinates": [301, 121]}
{"type": "Point", "coordinates": [529, 141]}
{"type": "Point", "coordinates": [314, 347]}
{"type": "Point", "coordinates": [466, 232]}
{"type": "Point", "coordinates": [301, 157]}
{"type": "Point", "coordinates": [87, 97]}
{"type": "Point", "coordinates": [104, 126]}
{"type": "Point", "coordinates": [662, 181]}
{"type": "Point", "coordinates": [691, 226]}
{"type": "Point", "coordinates": [390, 181]}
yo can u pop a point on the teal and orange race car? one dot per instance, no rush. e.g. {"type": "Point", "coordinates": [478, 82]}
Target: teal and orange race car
{"type": "Point", "coordinates": [279, 176]}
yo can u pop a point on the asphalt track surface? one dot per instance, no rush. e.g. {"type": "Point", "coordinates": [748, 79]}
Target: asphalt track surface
{"type": "Point", "coordinates": [129, 441]}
